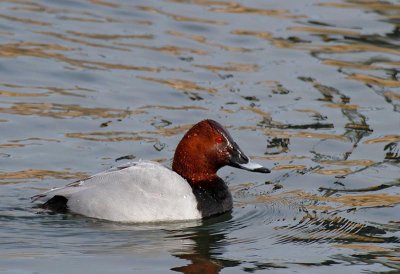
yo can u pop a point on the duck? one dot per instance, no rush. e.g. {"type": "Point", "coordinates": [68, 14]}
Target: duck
{"type": "Point", "coordinates": [146, 191]}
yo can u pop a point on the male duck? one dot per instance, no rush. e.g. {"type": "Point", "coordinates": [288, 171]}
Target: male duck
{"type": "Point", "coordinates": [146, 191]}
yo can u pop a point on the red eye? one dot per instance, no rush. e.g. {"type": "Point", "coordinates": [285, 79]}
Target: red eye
{"type": "Point", "coordinates": [219, 139]}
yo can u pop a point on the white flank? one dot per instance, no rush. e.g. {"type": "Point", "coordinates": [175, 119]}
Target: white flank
{"type": "Point", "coordinates": [140, 192]}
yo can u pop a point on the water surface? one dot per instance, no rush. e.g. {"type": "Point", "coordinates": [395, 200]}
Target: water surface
{"type": "Point", "coordinates": [308, 88]}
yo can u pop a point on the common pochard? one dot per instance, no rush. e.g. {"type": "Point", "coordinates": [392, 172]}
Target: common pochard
{"type": "Point", "coordinates": [146, 191]}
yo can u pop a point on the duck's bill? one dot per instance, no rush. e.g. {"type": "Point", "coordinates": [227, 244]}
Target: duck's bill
{"type": "Point", "coordinates": [254, 167]}
{"type": "Point", "coordinates": [240, 160]}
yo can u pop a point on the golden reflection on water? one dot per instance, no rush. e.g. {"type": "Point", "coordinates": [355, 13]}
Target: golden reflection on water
{"type": "Point", "coordinates": [384, 139]}
{"type": "Point", "coordinates": [336, 202]}
{"type": "Point", "coordinates": [289, 167]}
{"type": "Point", "coordinates": [35, 139]}
{"type": "Point", "coordinates": [334, 48]}
{"type": "Point", "coordinates": [86, 20]}
{"type": "Point", "coordinates": [12, 50]}
{"type": "Point", "coordinates": [231, 67]}
{"type": "Point", "coordinates": [203, 40]}
{"type": "Point", "coordinates": [24, 20]}
{"type": "Point", "coordinates": [392, 96]}
{"type": "Point", "coordinates": [313, 112]}
{"type": "Point", "coordinates": [118, 136]}
{"type": "Point", "coordinates": [104, 3]}
{"type": "Point", "coordinates": [113, 136]}
{"type": "Point", "coordinates": [20, 94]}
{"type": "Point", "coordinates": [348, 162]}
{"type": "Point", "coordinates": [177, 17]}
{"type": "Point", "coordinates": [343, 171]}
{"type": "Point", "coordinates": [75, 91]}
{"type": "Point", "coordinates": [11, 145]}
{"type": "Point", "coordinates": [324, 30]}
{"type": "Point", "coordinates": [258, 111]}
{"type": "Point", "coordinates": [5, 33]}
{"type": "Point", "coordinates": [367, 200]}
{"type": "Point", "coordinates": [24, 175]}
{"type": "Point", "coordinates": [349, 48]}
{"type": "Point", "coordinates": [365, 4]}
{"type": "Point", "coordinates": [66, 111]}
{"type": "Point", "coordinates": [258, 34]}
{"type": "Point", "coordinates": [368, 79]}
{"type": "Point", "coordinates": [343, 106]}
{"type": "Point", "coordinates": [44, 51]}
{"type": "Point", "coordinates": [297, 134]}
{"type": "Point", "coordinates": [78, 41]}
{"type": "Point", "coordinates": [233, 7]}
{"type": "Point", "coordinates": [103, 36]}
{"type": "Point", "coordinates": [167, 132]}
{"type": "Point", "coordinates": [61, 12]}
{"type": "Point", "coordinates": [180, 85]}
{"type": "Point", "coordinates": [346, 64]}
{"type": "Point", "coordinates": [202, 2]}
{"type": "Point", "coordinates": [305, 134]}
{"type": "Point", "coordinates": [172, 50]}
{"type": "Point", "coordinates": [373, 248]}
{"type": "Point", "coordinates": [173, 107]}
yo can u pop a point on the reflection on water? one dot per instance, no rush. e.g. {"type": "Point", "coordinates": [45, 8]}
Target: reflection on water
{"type": "Point", "coordinates": [309, 88]}
{"type": "Point", "coordinates": [207, 242]}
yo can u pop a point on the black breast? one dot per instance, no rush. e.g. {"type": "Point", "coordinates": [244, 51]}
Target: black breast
{"type": "Point", "coordinates": [212, 197]}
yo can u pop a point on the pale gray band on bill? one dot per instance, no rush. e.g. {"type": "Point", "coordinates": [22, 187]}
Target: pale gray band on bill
{"type": "Point", "coordinates": [251, 166]}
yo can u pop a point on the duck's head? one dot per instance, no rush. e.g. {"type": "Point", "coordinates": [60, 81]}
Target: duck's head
{"type": "Point", "coordinates": [207, 147]}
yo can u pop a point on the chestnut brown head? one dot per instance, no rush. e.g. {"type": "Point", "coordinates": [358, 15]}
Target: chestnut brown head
{"type": "Point", "coordinates": [207, 147]}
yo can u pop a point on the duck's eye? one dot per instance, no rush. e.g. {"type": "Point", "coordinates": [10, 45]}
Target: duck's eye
{"type": "Point", "coordinates": [219, 139]}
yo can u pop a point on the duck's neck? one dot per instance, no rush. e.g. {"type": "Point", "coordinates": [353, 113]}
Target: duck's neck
{"type": "Point", "coordinates": [211, 192]}
{"type": "Point", "coordinates": [193, 173]}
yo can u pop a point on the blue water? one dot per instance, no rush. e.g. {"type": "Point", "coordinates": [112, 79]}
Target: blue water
{"type": "Point", "coordinates": [308, 88]}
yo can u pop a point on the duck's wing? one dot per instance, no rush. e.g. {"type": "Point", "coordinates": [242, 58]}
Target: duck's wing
{"type": "Point", "coordinates": [80, 185]}
{"type": "Point", "coordinates": [65, 191]}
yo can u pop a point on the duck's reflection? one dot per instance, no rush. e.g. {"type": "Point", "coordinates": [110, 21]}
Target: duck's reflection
{"type": "Point", "coordinates": [208, 244]}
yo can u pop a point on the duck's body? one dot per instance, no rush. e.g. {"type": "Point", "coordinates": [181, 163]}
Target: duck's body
{"type": "Point", "coordinates": [141, 191]}
{"type": "Point", "coordinates": [146, 191]}
{"type": "Point", "coordinates": [138, 191]}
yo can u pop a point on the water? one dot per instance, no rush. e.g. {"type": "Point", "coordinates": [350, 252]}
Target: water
{"type": "Point", "coordinates": [308, 88]}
